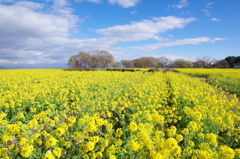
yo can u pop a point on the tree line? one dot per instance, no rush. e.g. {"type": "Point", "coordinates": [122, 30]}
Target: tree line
{"type": "Point", "coordinates": [91, 60]}
{"type": "Point", "coordinates": [104, 59]}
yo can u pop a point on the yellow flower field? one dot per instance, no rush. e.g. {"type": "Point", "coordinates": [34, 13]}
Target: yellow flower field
{"type": "Point", "coordinates": [54, 114]}
{"type": "Point", "coordinates": [226, 79]}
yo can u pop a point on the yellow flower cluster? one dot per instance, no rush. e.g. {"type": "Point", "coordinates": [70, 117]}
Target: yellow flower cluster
{"type": "Point", "coordinates": [59, 114]}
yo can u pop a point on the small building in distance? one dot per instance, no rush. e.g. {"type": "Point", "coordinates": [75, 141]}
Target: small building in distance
{"type": "Point", "coordinates": [237, 65]}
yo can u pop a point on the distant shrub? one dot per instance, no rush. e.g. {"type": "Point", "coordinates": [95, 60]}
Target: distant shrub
{"type": "Point", "coordinates": [123, 70]}
{"type": "Point", "coordinates": [153, 70]}
{"type": "Point", "coordinates": [79, 69]}
{"type": "Point", "coordinates": [176, 71]}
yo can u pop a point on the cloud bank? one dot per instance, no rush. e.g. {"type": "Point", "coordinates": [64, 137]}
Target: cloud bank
{"type": "Point", "coordinates": [38, 34]}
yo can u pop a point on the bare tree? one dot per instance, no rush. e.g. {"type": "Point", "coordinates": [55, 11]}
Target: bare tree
{"type": "Point", "coordinates": [93, 61]}
{"type": "Point", "coordinates": [170, 64]}
{"type": "Point", "coordinates": [116, 64]}
{"type": "Point", "coordinates": [204, 62]}
{"type": "Point", "coordinates": [105, 58]}
{"type": "Point", "coordinates": [163, 61]}
{"type": "Point", "coordinates": [84, 58]}
{"type": "Point", "coordinates": [127, 63]}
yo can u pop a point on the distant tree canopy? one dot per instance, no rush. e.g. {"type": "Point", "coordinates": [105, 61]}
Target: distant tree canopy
{"type": "Point", "coordinates": [145, 62]}
{"type": "Point", "coordinates": [91, 60]}
{"type": "Point", "coordinates": [221, 64]}
{"type": "Point", "coordinates": [180, 63]}
{"type": "Point", "coordinates": [232, 60]}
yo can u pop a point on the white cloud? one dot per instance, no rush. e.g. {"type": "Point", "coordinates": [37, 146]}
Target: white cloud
{"type": "Point", "coordinates": [26, 34]}
{"type": "Point", "coordinates": [215, 19]}
{"type": "Point", "coordinates": [62, 9]}
{"type": "Point", "coordinates": [151, 47]}
{"type": "Point", "coordinates": [206, 12]}
{"type": "Point", "coordinates": [124, 3]}
{"type": "Point", "coordinates": [94, 1]}
{"type": "Point", "coordinates": [144, 29]}
{"type": "Point", "coordinates": [20, 21]}
{"type": "Point", "coordinates": [186, 12]}
{"type": "Point", "coordinates": [181, 4]}
{"type": "Point", "coordinates": [209, 5]}
{"type": "Point", "coordinates": [30, 5]}
{"type": "Point", "coordinates": [30, 36]}
{"type": "Point", "coordinates": [7, 1]}
{"type": "Point", "coordinates": [60, 2]}
{"type": "Point", "coordinates": [134, 11]}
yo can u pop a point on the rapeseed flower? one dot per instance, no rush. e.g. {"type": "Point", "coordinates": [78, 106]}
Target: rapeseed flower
{"type": "Point", "coordinates": [20, 116]}
{"type": "Point", "coordinates": [134, 145]}
{"type": "Point", "coordinates": [179, 137]}
{"type": "Point", "coordinates": [3, 152]}
{"type": "Point", "coordinates": [26, 150]}
{"type": "Point", "coordinates": [89, 146]}
{"type": "Point", "coordinates": [172, 131]}
{"type": "Point", "coordinates": [119, 132]}
{"type": "Point", "coordinates": [23, 141]}
{"type": "Point", "coordinates": [212, 139]}
{"type": "Point", "coordinates": [226, 152]}
{"type": "Point", "coordinates": [50, 142]}
{"type": "Point", "coordinates": [171, 144]}
{"type": "Point", "coordinates": [91, 126]}
{"type": "Point", "coordinates": [132, 127]}
{"type": "Point", "coordinates": [57, 152]}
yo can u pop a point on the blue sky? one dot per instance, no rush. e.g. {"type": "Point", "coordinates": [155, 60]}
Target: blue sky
{"type": "Point", "coordinates": [45, 33]}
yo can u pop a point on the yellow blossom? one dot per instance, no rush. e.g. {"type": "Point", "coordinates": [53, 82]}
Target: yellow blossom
{"type": "Point", "coordinates": [171, 144]}
{"type": "Point", "coordinates": [134, 145]}
{"type": "Point", "coordinates": [3, 151]}
{"type": "Point", "coordinates": [226, 152]}
{"type": "Point", "coordinates": [132, 127]}
{"type": "Point", "coordinates": [50, 142]}
{"type": "Point", "coordinates": [20, 116]}
{"type": "Point", "coordinates": [119, 132]}
{"type": "Point", "coordinates": [49, 155]}
{"type": "Point", "coordinates": [26, 150]}
{"type": "Point", "coordinates": [89, 146]}
{"type": "Point", "coordinates": [179, 137]}
{"type": "Point", "coordinates": [57, 152]}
